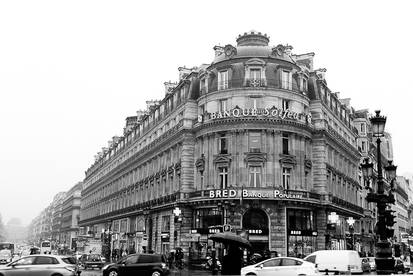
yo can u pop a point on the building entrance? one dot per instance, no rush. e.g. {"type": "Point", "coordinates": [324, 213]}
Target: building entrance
{"type": "Point", "coordinates": [255, 222]}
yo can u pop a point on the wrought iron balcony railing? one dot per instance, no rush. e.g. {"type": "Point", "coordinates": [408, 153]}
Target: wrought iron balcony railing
{"type": "Point", "coordinates": [255, 83]}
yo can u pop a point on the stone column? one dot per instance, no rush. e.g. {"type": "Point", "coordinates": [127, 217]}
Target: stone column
{"type": "Point", "coordinates": [321, 228]}
{"type": "Point", "coordinates": [278, 235]}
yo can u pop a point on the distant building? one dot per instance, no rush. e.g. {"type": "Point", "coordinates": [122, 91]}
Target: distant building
{"type": "Point", "coordinates": [70, 218]}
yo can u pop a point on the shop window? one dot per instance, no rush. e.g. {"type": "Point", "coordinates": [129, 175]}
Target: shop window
{"type": "Point", "coordinates": [255, 176]}
{"type": "Point", "coordinates": [223, 144]}
{"type": "Point", "coordinates": [223, 177]}
{"type": "Point", "coordinates": [286, 178]}
{"type": "Point", "coordinates": [222, 80]}
{"type": "Point", "coordinates": [204, 218]}
{"type": "Point", "coordinates": [254, 141]}
{"type": "Point", "coordinates": [285, 143]}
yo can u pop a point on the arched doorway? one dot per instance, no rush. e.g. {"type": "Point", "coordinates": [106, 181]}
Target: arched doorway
{"type": "Point", "coordinates": [255, 222]}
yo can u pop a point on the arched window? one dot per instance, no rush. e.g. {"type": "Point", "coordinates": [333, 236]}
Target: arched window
{"type": "Point", "coordinates": [255, 219]}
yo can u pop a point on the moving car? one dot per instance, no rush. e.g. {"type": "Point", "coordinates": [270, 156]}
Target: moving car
{"type": "Point", "coordinates": [91, 261]}
{"type": "Point", "coordinates": [138, 264]}
{"type": "Point", "coordinates": [339, 261]}
{"type": "Point", "coordinates": [41, 265]}
{"type": "Point", "coordinates": [286, 266]}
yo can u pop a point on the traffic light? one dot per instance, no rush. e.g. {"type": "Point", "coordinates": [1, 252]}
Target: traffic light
{"type": "Point", "coordinates": [389, 217]}
{"type": "Point", "coordinates": [389, 232]}
{"type": "Point", "coordinates": [397, 251]}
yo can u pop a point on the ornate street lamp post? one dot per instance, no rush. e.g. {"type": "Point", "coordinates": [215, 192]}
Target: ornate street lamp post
{"type": "Point", "coordinates": [384, 259]}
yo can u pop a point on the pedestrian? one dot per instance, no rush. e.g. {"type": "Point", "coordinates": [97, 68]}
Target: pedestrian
{"type": "Point", "coordinates": [171, 258]}
{"type": "Point", "coordinates": [232, 261]}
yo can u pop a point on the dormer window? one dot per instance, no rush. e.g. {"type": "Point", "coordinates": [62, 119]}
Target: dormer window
{"type": "Point", "coordinates": [223, 80]}
{"type": "Point", "coordinates": [286, 80]}
{"type": "Point", "coordinates": [255, 73]}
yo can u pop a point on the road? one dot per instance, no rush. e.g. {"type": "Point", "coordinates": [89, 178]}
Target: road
{"type": "Point", "coordinates": [174, 272]}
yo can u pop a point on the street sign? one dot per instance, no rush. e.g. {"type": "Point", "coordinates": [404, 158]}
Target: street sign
{"type": "Point", "coordinates": [227, 228]}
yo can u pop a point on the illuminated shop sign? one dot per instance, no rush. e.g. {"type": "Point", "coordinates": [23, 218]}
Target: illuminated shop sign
{"type": "Point", "coordinates": [260, 112]}
{"type": "Point", "coordinates": [254, 193]}
{"type": "Point", "coordinates": [257, 231]}
{"type": "Point", "coordinates": [302, 233]}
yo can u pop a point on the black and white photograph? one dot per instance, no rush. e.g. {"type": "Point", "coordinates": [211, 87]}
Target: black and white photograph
{"type": "Point", "coordinates": [180, 138]}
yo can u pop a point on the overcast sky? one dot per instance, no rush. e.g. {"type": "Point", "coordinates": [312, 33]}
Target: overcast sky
{"type": "Point", "coordinates": [72, 71]}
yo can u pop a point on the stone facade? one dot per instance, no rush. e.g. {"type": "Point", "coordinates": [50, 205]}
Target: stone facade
{"type": "Point", "coordinates": [255, 141]}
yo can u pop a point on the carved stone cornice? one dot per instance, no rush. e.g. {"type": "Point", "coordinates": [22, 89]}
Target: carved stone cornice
{"type": "Point", "coordinates": [308, 164]}
{"type": "Point", "coordinates": [200, 163]}
{"type": "Point", "coordinates": [286, 159]}
{"type": "Point", "coordinates": [178, 166]}
{"type": "Point", "coordinates": [171, 169]}
{"type": "Point", "coordinates": [222, 160]}
{"type": "Point", "coordinates": [255, 157]}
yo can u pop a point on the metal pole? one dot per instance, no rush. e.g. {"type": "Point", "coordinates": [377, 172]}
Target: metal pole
{"type": "Point", "coordinates": [380, 183]}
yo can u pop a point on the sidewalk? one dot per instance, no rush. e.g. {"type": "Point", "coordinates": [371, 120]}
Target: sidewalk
{"type": "Point", "coordinates": [191, 272]}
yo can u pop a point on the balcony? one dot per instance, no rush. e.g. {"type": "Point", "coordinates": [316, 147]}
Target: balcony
{"type": "Point", "coordinates": [348, 205]}
{"type": "Point", "coordinates": [255, 83]}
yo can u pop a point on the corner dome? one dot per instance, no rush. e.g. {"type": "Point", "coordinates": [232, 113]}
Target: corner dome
{"type": "Point", "coordinates": [253, 38]}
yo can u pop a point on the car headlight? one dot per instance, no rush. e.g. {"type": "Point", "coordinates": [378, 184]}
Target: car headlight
{"type": "Point", "coordinates": [105, 267]}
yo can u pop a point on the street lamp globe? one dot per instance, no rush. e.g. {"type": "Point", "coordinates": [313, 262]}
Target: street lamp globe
{"type": "Point", "coordinates": [351, 221]}
{"type": "Point", "coordinates": [367, 168]}
{"type": "Point", "coordinates": [378, 123]}
{"type": "Point", "coordinates": [391, 170]}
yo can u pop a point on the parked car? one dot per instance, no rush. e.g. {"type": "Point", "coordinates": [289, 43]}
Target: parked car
{"type": "Point", "coordinates": [5, 256]}
{"type": "Point", "coordinates": [400, 266]}
{"type": "Point", "coordinates": [91, 261]}
{"type": "Point", "coordinates": [339, 261]}
{"type": "Point", "coordinates": [44, 265]}
{"type": "Point", "coordinates": [138, 264]}
{"type": "Point", "coordinates": [286, 266]}
{"type": "Point", "coordinates": [365, 265]}
{"type": "Point", "coordinates": [372, 263]}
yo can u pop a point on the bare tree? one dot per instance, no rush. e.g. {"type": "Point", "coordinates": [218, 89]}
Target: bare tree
{"type": "Point", "coordinates": [3, 233]}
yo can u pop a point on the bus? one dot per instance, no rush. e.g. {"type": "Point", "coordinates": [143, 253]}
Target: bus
{"type": "Point", "coordinates": [45, 247]}
{"type": "Point", "coordinates": [7, 246]}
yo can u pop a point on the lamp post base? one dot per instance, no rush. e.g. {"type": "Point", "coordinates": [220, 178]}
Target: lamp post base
{"type": "Point", "coordinates": [384, 258]}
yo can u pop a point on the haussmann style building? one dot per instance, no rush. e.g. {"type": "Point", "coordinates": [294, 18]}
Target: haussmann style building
{"type": "Point", "coordinates": [254, 142]}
